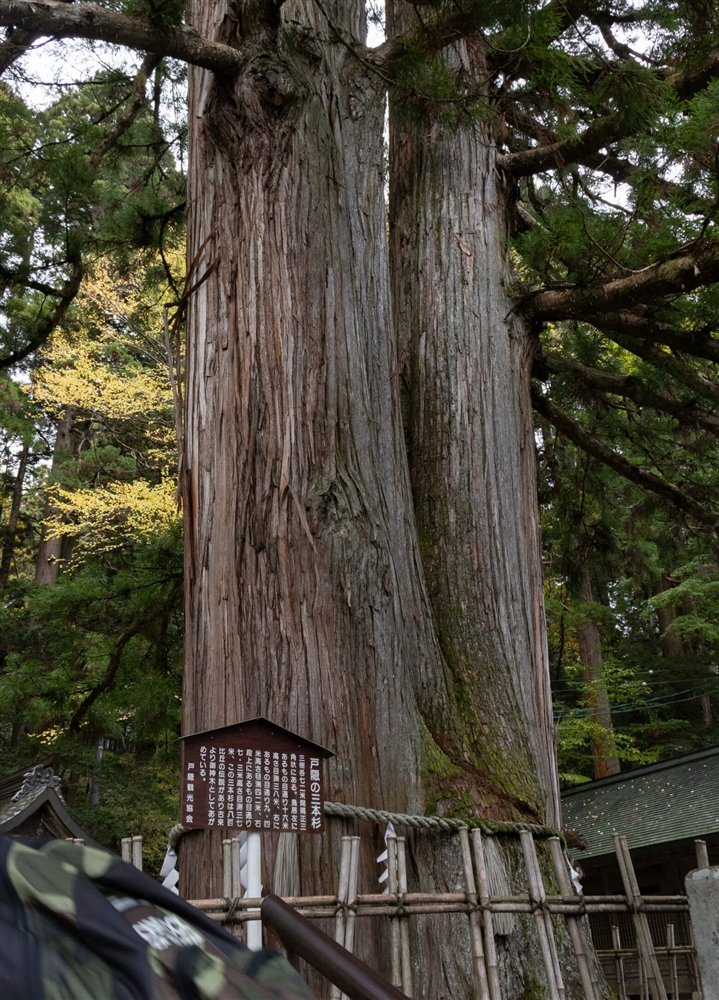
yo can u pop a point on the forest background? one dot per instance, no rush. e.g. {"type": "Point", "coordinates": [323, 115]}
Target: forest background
{"type": "Point", "coordinates": [91, 565]}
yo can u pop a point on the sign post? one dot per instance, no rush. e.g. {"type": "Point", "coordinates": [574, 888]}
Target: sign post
{"type": "Point", "coordinates": [254, 888]}
{"type": "Point", "coordinates": [256, 777]}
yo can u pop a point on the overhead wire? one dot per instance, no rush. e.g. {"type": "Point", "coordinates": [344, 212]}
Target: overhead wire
{"type": "Point", "coordinates": [660, 701]}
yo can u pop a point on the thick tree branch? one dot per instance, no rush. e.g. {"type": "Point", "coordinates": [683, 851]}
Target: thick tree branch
{"type": "Point", "coordinates": [691, 80]}
{"type": "Point", "coordinates": [604, 130]}
{"type": "Point", "coordinates": [630, 387]}
{"type": "Point", "coordinates": [670, 277]}
{"type": "Point", "coordinates": [129, 112]}
{"type": "Point", "coordinates": [636, 325]}
{"type": "Point", "coordinates": [17, 278]}
{"type": "Point", "coordinates": [591, 444]}
{"type": "Point", "coordinates": [622, 171]}
{"type": "Point", "coordinates": [108, 678]}
{"type": "Point", "coordinates": [671, 363]}
{"type": "Point", "coordinates": [557, 154]}
{"type": "Point", "coordinates": [451, 25]}
{"type": "Point", "coordinates": [67, 294]}
{"type": "Point", "coordinates": [88, 20]}
{"type": "Point", "coordinates": [15, 45]}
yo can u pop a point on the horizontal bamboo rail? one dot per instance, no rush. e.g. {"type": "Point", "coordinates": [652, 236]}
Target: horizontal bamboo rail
{"type": "Point", "coordinates": [406, 904]}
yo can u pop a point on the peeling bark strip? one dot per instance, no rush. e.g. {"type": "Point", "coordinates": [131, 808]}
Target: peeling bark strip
{"type": "Point", "coordinates": [88, 20]}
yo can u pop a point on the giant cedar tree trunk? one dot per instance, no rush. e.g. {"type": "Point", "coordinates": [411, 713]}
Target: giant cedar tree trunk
{"type": "Point", "coordinates": [465, 360]}
{"type": "Point", "coordinates": [305, 591]}
{"type": "Point", "coordinates": [305, 600]}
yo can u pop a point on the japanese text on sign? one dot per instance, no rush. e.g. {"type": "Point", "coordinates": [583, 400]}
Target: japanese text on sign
{"type": "Point", "coordinates": [253, 789]}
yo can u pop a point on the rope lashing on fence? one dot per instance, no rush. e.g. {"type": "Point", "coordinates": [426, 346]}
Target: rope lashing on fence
{"type": "Point", "coordinates": [453, 823]}
{"type": "Point", "coordinates": [488, 827]}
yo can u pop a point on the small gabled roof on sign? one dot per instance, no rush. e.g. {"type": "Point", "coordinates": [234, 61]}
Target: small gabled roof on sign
{"type": "Point", "coordinates": [264, 726]}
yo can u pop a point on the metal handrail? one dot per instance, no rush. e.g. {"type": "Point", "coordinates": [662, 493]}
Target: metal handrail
{"type": "Point", "coordinates": [334, 962]}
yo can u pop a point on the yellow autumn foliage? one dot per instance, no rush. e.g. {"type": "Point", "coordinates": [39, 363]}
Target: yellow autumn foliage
{"type": "Point", "coordinates": [108, 362]}
{"type": "Point", "coordinates": [107, 517]}
{"type": "Point", "coordinates": [78, 375]}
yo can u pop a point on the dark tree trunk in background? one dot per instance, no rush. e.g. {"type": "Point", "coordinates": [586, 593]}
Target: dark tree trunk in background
{"type": "Point", "coordinates": [47, 561]}
{"type": "Point", "coordinates": [8, 548]}
{"type": "Point", "coordinates": [674, 646]}
{"type": "Point", "coordinates": [604, 748]}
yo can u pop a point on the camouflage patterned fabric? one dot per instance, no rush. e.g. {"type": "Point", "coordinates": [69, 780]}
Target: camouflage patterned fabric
{"type": "Point", "coordinates": [76, 923]}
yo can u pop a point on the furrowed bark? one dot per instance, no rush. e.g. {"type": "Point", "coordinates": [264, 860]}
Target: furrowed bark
{"type": "Point", "coordinates": [642, 477]}
{"type": "Point", "coordinates": [466, 364]}
{"type": "Point", "coordinates": [305, 598]}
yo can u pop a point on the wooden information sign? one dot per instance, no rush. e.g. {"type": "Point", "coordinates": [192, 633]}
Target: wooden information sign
{"type": "Point", "coordinates": [253, 776]}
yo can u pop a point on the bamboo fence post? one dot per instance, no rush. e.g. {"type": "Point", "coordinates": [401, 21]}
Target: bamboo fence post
{"type": "Point", "coordinates": [543, 919]}
{"type": "Point", "coordinates": [479, 969]}
{"type": "Point", "coordinates": [574, 925]}
{"type": "Point", "coordinates": [351, 897]}
{"type": "Point", "coordinates": [671, 944]}
{"type": "Point", "coordinates": [490, 945]}
{"type": "Point", "coordinates": [643, 980]}
{"type": "Point", "coordinates": [253, 931]}
{"type": "Point", "coordinates": [404, 925]}
{"type": "Point", "coordinates": [236, 867]}
{"type": "Point", "coordinates": [227, 869]}
{"type": "Point", "coordinates": [641, 924]}
{"type": "Point", "coordinates": [137, 852]}
{"type": "Point", "coordinates": [126, 849]}
{"type": "Point", "coordinates": [392, 885]}
{"type": "Point", "coordinates": [702, 853]}
{"type": "Point", "coordinates": [342, 892]}
{"type": "Point", "coordinates": [619, 962]}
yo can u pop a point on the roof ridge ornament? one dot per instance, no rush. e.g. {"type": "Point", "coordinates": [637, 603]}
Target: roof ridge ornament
{"type": "Point", "coordinates": [39, 777]}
